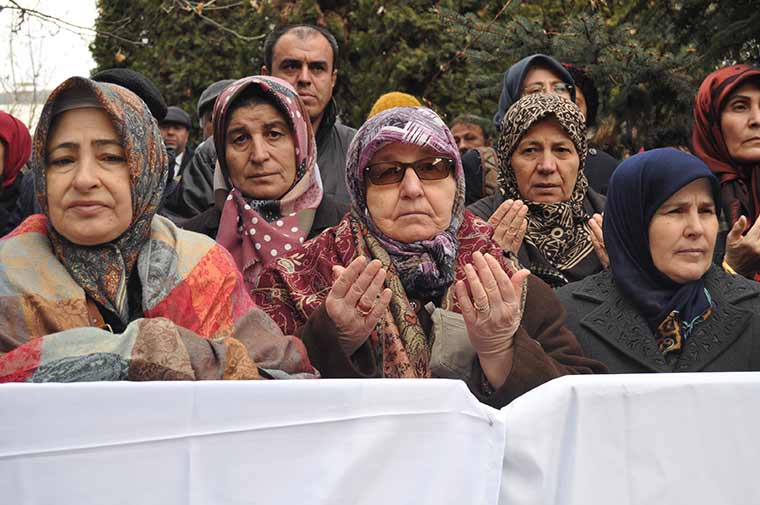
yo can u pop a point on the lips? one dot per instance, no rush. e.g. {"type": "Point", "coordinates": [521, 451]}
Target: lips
{"type": "Point", "coordinates": [87, 207]}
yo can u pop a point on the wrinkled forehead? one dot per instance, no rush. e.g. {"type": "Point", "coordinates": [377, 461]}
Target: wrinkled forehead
{"type": "Point", "coordinates": [304, 46]}
{"type": "Point", "coordinates": [540, 73]}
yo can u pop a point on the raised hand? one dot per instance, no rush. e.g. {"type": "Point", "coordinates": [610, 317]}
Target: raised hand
{"type": "Point", "coordinates": [357, 301]}
{"type": "Point", "coordinates": [492, 311]}
{"type": "Point", "coordinates": [743, 251]}
{"type": "Point", "coordinates": [597, 240]}
{"type": "Point", "coordinates": [509, 224]}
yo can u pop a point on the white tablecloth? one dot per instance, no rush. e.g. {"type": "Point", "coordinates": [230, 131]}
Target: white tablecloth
{"type": "Point", "coordinates": [276, 442]}
{"type": "Point", "coordinates": [676, 439]}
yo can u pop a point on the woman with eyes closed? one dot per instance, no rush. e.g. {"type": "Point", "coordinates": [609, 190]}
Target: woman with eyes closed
{"type": "Point", "coordinates": [544, 207]}
{"type": "Point", "coordinates": [410, 285]}
{"type": "Point", "coordinates": [726, 137]}
{"type": "Point", "coordinates": [663, 306]}
{"type": "Point", "coordinates": [99, 287]}
{"type": "Point", "coordinates": [271, 196]}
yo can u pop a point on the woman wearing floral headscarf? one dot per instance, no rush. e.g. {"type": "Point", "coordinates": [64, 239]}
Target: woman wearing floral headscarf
{"type": "Point", "coordinates": [409, 284]}
{"type": "Point", "coordinates": [726, 137]}
{"type": "Point", "coordinates": [273, 199]}
{"type": "Point", "coordinates": [99, 287]}
{"type": "Point", "coordinates": [543, 209]}
{"type": "Point", "coordinates": [15, 149]}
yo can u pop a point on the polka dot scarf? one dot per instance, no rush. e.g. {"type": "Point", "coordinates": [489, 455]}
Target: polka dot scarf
{"type": "Point", "coordinates": [257, 232]}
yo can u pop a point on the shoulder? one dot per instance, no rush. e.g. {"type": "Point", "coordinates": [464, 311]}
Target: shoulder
{"type": "Point", "coordinates": [599, 157]}
{"type": "Point", "coordinates": [207, 222]}
{"type": "Point", "coordinates": [189, 247]}
{"type": "Point", "coordinates": [735, 289]}
{"type": "Point", "coordinates": [345, 132]}
{"type": "Point", "coordinates": [595, 201]}
{"type": "Point", "coordinates": [328, 214]}
{"type": "Point", "coordinates": [595, 288]}
{"type": "Point", "coordinates": [486, 206]}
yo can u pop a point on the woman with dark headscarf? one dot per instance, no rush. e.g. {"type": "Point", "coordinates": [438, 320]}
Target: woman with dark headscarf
{"type": "Point", "coordinates": [409, 284]}
{"type": "Point", "coordinates": [663, 306]}
{"type": "Point", "coordinates": [99, 287]}
{"type": "Point", "coordinates": [271, 196]}
{"type": "Point", "coordinates": [542, 209]}
{"type": "Point", "coordinates": [15, 149]}
{"type": "Point", "coordinates": [726, 137]}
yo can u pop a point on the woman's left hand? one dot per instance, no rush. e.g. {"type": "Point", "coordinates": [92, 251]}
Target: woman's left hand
{"type": "Point", "coordinates": [492, 313]}
{"type": "Point", "coordinates": [597, 240]}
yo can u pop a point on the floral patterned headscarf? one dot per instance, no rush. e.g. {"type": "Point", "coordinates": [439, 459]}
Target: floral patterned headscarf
{"type": "Point", "coordinates": [425, 267]}
{"type": "Point", "coordinates": [103, 270]}
{"type": "Point", "coordinates": [257, 232]}
{"type": "Point", "coordinates": [558, 230]}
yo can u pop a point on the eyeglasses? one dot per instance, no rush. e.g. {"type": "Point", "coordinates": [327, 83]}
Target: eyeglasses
{"type": "Point", "coordinates": [392, 172]}
{"type": "Point", "coordinates": [558, 88]}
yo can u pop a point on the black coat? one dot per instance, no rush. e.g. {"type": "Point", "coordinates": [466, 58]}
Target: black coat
{"type": "Point", "coordinates": [610, 329]}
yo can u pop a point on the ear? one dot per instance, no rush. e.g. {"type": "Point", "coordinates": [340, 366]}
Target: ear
{"type": "Point", "coordinates": [334, 78]}
{"type": "Point", "coordinates": [264, 70]}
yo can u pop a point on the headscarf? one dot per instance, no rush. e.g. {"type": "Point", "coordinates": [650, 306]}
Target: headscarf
{"type": "Point", "coordinates": [740, 186]}
{"type": "Point", "coordinates": [426, 267]}
{"type": "Point", "coordinates": [18, 147]}
{"type": "Point", "coordinates": [558, 230]}
{"type": "Point", "coordinates": [255, 231]}
{"type": "Point", "coordinates": [103, 270]}
{"type": "Point", "coordinates": [638, 187]}
{"type": "Point", "coordinates": [511, 87]}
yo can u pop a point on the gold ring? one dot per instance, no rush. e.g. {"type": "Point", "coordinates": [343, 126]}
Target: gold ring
{"type": "Point", "coordinates": [482, 308]}
{"type": "Point", "coordinates": [363, 311]}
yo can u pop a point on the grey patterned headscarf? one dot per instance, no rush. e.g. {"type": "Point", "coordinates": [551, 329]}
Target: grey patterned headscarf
{"type": "Point", "coordinates": [558, 230]}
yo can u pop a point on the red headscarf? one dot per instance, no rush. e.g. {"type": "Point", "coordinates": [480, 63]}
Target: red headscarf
{"type": "Point", "coordinates": [740, 187]}
{"type": "Point", "coordinates": [18, 146]}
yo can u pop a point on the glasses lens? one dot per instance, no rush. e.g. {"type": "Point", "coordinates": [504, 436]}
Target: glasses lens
{"type": "Point", "coordinates": [534, 88]}
{"type": "Point", "coordinates": [562, 89]}
{"type": "Point", "coordinates": [434, 168]}
{"type": "Point", "coordinates": [385, 173]}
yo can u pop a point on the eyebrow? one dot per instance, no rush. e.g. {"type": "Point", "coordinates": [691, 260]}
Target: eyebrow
{"type": "Point", "coordinates": [74, 145]}
{"type": "Point", "coordinates": [291, 61]}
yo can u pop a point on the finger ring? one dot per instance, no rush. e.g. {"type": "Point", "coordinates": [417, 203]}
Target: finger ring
{"type": "Point", "coordinates": [363, 310]}
{"type": "Point", "coordinates": [482, 308]}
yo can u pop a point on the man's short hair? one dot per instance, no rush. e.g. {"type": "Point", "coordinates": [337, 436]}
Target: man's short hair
{"type": "Point", "coordinates": [301, 31]}
{"type": "Point", "coordinates": [484, 124]}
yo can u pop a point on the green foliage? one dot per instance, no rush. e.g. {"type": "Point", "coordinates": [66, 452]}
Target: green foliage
{"type": "Point", "coordinates": [647, 57]}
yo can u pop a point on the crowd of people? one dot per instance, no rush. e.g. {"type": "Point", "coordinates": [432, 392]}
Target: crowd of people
{"type": "Point", "coordinates": [502, 252]}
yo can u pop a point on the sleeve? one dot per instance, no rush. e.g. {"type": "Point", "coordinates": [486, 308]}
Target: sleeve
{"type": "Point", "coordinates": [543, 348]}
{"type": "Point", "coordinates": [320, 336]}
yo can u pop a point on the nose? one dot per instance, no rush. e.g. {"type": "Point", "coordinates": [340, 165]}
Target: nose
{"type": "Point", "coordinates": [547, 163]}
{"type": "Point", "coordinates": [754, 119]}
{"type": "Point", "coordinates": [86, 176]}
{"type": "Point", "coordinates": [304, 75]}
{"type": "Point", "coordinates": [694, 226]}
{"type": "Point", "coordinates": [411, 185]}
{"type": "Point", "coordinates": [259, 152]}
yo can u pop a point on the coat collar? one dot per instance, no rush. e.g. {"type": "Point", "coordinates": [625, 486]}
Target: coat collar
{"type": "Point", "coordinates": [616, 321]}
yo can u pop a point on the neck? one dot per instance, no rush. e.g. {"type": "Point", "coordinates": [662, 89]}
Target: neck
{"type": "Point", "coordinates": [315, 122]}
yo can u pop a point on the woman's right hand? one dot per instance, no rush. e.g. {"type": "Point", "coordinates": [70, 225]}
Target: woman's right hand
{"type": "Point", "coordinates": [743, 251]}
{"type": "Point", "coordinates": [509, 224]}
{"type": "Point", "coordinates": [357, 301]}
{"type": "Point", "coordinates": [597, 240]}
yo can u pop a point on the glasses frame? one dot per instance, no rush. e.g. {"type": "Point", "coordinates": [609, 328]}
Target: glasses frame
{"type": "Point", "coordinates": [568, 89]}
{"type": "Point", "coordinates": [414, 166]}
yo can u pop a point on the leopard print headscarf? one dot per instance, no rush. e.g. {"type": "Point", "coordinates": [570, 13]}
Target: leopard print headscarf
{"type": "Point", "coordinates": [559, 230]}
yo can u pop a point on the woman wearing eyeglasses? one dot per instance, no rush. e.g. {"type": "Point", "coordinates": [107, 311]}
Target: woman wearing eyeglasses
{"type": "Point", "coordinates": [272, 198]}
{"type": "Point", "coordinates": [409, 284]}
{"type": "Point", "coordinates": [543, 211]}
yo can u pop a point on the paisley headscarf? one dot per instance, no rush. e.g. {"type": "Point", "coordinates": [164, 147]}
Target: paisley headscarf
{"type": "Point", "coordinates": [638, 187]}
{"type": "Point", "coordinates": [426, 267]}
{"type": "Point", "coordinates": [103, 270]}
{"type": "Point", "coordinates": [259, 231]}
{"type": "Point", "coordinates": [18, 147]}
{"type": "Point", "coordinates": [559, 230]}
{"type": "Point", "coordinates": [740, 186]}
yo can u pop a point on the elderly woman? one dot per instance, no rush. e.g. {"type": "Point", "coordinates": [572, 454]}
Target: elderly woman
{"type": "Point", "coordinates": [99, 287]}
{"type": "Point", "coordinates": [15, 149]}
{"type": "Point", "coordinates": [663, 306]}
{"type": "Point", "coordinates": [273, 199]}
{"type": "Point", "coordinates": [542, 210]}
{"type": "Point", "coordinates": [726, 137]}
{"type": "Point", "coordinates": [409, 284]}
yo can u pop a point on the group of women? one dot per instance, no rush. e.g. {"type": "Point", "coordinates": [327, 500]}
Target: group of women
{"type": "Point", "coordinates": [406, 282]}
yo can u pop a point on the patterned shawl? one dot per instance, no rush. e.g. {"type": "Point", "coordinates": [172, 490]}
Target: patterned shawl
{"type": "Point", "coordinates": [258, 231]}
{"type": "Point", "coordinates": [291, 289]}
{"type": "Point", "coordinates": [740, 186]}
{"type": "Point", "coordinates": [426, 267]}
{"type": "Point", "coordinates": [560, 230]}
{"type": "Point", "coordinates": [103, 270]}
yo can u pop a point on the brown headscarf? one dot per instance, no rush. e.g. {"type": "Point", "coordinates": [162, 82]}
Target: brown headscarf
{"type": "Point", "coordinates": [740, 186]}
